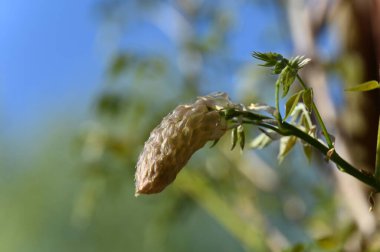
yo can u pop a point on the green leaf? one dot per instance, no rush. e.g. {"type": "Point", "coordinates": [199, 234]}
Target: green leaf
{"type": "Point", "coordinates": [366, 86]}
{"type": "Point", "coordinates": [296, 248]}
{"type": "Point", "coordinates": [377, 165]}
{"type": "Point", "coordinates": [292, 103]}
{"type": "Point", "coordinates": [215, 142]}
{"type": "Point", "coordinates": [287, 77]}
{"type": "Point", "coordinates": [307, 98]}
{"type": "Point", "coordinates": [241, 136]}
{"type": "Point", "coordinates": [286, 145]}
{"type": "Point", "coordinates": [328, 242]}
{"type": "Point", "coordinates": [269, 58]}
{"type": "Point", "coordinates": [234, 137]}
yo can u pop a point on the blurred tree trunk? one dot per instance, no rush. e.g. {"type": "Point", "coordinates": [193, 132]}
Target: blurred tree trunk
{"type": "Point", "coordinates": [362, 39]}
{"type": "Point", "coordinates": [357, 125]}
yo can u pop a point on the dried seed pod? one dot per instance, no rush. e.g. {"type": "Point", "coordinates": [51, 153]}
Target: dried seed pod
{"type": "Point", "coordinates": [176, 138]}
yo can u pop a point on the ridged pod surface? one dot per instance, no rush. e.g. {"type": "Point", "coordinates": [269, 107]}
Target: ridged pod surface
{"type": "Point", "coordinates": [172, 143]}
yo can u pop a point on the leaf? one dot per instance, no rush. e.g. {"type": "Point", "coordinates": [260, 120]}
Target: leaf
{"type": "Point", "coordinates": [298, 62]}
{"type": "Point", "coordinates": [234, 138]}
{"type": "Point", "coordinates": [119, 64]}
{"type": "Point", "coordinates": [215, 142]}
{"type": "Point", "coordinates": [286, 145]}
{"type": "Point", "coordinates": [270, 58]}
{"type": "Point", "coordinates": [241, 136]}
{"type": "Point", "coordinates": [307, 98]}
{"type": "Point", "coordinates": [287, 77]}
{"type": "Point", "coordinates": [292, 103]}
{"type": "Point", "coordinates": [260, 141]}
{"type": "Point", "coordinates": [366, 86]}
{"type": "Point", "coordinates": [328, 242]}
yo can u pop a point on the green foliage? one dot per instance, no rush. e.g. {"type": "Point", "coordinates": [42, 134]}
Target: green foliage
{"type": "Point", "coordinates": [366, 86]}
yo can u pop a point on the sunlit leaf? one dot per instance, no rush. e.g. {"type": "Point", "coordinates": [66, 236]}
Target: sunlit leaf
{"type": "Point", "coordinates": [286, 145]}
{"type": "Point", "coordinates": [307, 98]}
{"type": "Point", "coordinates": [292, 103]}
{"type": "Point", "coordinates": [366, 86]}
{"type": "Point", "coordinates": [260, 141]}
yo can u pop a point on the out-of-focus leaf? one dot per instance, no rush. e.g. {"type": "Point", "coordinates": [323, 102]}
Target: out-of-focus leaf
{"type": "Point", "coordinates": [287, 77]}
{"type": "Point", "coordinates": [366, 86]}
{"type": "Point", "coordinates": [292, 103]}
{"type": "Point", "coordinates": [286, 145]}
{"type": "Point", "coordinates": [260, 141]}
{"type": "Point", "coordinates": [307, 98]}
{"type": "Point", "coordinates": [234, 138]}
{"type": "Point", "coordinates": [119, 64]}
{"type": "Point", "coordinates": [328, 242]}
{"type": "Point", "coordinates": [241, 136]}
{"type": "Point", "coordinates": [296, 248]}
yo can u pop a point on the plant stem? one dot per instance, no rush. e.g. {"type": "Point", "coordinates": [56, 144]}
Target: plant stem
{"type": "Point", "coordinates": [342, 164]}
{"type": "Point", "coordinates": [318, 116]}
{"type": "Point", "coordinates": [277, 98]}
{"type": "Point", "coordinates": [287, 129]}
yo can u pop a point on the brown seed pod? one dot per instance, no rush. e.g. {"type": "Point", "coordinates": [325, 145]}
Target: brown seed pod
{"type": "Point", "coordinates": [176, 138]}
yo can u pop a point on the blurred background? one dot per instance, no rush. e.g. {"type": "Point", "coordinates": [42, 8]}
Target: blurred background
{"type": "Point", "coordinates": [82, 83]}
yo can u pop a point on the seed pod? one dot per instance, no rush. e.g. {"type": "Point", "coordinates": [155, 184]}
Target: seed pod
{"type": "Point", "coordinates": [175, 139]}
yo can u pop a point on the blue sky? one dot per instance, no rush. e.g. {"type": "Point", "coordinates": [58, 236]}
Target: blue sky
{"type": "Point", "coordinates": [48, 61]}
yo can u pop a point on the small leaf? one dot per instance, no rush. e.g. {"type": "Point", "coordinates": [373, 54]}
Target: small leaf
{"type": "Point", "coordinates": [270, 58]}
{"type": "Point", "coordinates": [214, 143]}
{"type": "Point", "coordinates": [307, 98]}
{"type": "Point", "coordinates": [292, 103]}
{"type": "Point", "coordinates": [241, 136]}
{"type": "Point", "coordinates": [234, 138]}
{"type": "Point", "coordinates": [260, 141]}
{"type": "Point", "coordinates": [287, 77]}
{"type": "Point", "coordinates": [286, 145]}
{"type": "Point", "coordinates": [366, 86]}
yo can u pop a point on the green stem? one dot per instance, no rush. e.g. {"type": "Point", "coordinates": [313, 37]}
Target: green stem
{"type": "Point", "coordinates": [342, 164]}
{"type": "Point", "coordinates": [287, 129]}
{"type": "Point", "coordinates": [318, 116]}
{"type": "Point", "coordinates": [277, 98]}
